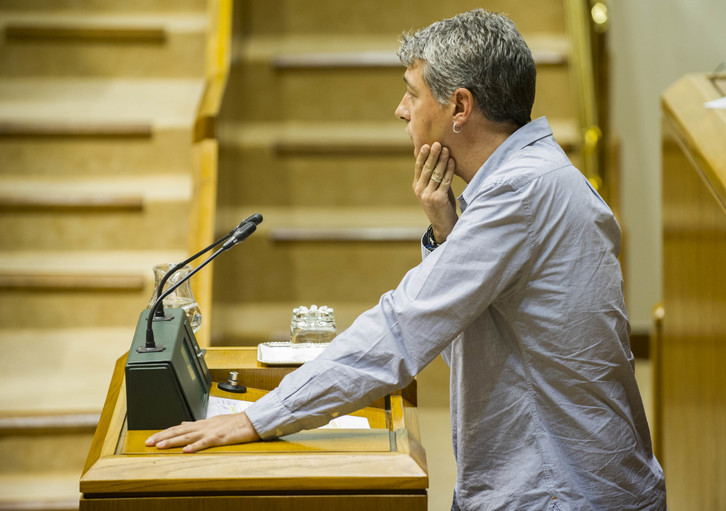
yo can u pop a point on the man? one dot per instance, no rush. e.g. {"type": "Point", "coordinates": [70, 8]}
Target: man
{"type": "Point", "coordinates": [522, 294]}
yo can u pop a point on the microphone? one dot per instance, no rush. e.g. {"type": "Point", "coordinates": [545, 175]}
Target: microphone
{"type": "Point", "coordinates": [255, 219]}
{"type": "Point", "coordinates": [236, 236]}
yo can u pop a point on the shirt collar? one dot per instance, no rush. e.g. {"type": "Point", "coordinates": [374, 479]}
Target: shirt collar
{"type": "Point", "coordinates": [527, 134]}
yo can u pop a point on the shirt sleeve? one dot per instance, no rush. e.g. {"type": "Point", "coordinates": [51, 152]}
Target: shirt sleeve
{"type": "Point", "coordinates": [485, 256]}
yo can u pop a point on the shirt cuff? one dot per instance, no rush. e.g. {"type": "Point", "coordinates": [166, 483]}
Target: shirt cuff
{"type": "Point", "coordinates": [267, 415]}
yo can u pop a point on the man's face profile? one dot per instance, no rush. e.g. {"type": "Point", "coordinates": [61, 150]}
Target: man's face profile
{"type": "Point", "coordinates": [426, 121]}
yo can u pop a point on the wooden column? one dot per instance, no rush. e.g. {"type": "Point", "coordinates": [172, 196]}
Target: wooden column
{"type": "Point", "coordinates": [689, 367]}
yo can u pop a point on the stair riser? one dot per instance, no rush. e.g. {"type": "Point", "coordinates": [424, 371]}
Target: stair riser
{"type": "Point", "coordinates": [78, 155]}
{"type": "Point", "coordinates": [158, 226]}
{"type": "Point", "coordinates": [257, 177]}
{"type": "Point", "coordinates": [368, 94]}
{"type": "Point", "coordinates": [241, 324]}
{"type": "Point", "coordinates": [331, 16]}
{"type": "Point", "coordinates": [262, 177]}
{"type": "Point", "coordinates": [313, 272]}
{"type": "Point", "coordinates": [49, 308]}
{"type": "Point", "coordinates": [180, 55]}
{"type": "Point", "coordinates": [44, 452]}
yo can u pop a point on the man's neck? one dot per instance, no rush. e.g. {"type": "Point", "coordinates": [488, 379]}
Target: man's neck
{"type": "Point", "coordinates": [477, 144]}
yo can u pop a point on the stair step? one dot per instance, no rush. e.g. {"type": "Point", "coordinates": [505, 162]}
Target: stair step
{"type": "Point", "coordinates": [75, 364]}
{"type": "Point", "coordinates": [48, 423]}
{"type": "Point", "coordinates": [40, 491]}
{"type": "Point", "coordinates": [162, 103]}
{"type": "Point", "coordinates": [74, 129]}
{"type": "Point", "coordinates": [91, 192]}
{"type": "Point", "coordinates": [97, 126]}
{"type": "Point", "coordinates": [372, 234]}
{"type": "Point", "coordinates": [135, 266]}
{"type": "Point", "coordinates": [343, 246]}
{"type": "Point", "coordinates": [360, 165]}
{"type": "Point", "coordinates": [56, 289]}
{"type": "Point", "coordinates": [56, 43]}
{"type": "Point", "coordinates": [353, 18]}
{"type": "Point", "coordinates": [314, 52]}
{"type": "Point", "coordinates": [343, 138]}
{"type": "Point", "coordinates": [48, 280]}
{"type": "Point", "coordinates": [360, 79]}
{"type": "Point", "coordinates": [94, 213]}
{"type": "Point", "coordinates": [333, 219]}
{"type": "Point", "coordinates": [83, 31]}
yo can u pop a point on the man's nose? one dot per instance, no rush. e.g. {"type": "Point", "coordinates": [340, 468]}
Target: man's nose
{"type": "Point", "coordinates": [401, 112]}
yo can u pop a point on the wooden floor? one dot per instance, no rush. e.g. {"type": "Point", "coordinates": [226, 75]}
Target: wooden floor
{"type": "Point", "coordinates": [433, 414]}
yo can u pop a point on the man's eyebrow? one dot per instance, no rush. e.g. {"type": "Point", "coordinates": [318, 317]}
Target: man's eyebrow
{"type": "Point", "coordinates": [408, 84]}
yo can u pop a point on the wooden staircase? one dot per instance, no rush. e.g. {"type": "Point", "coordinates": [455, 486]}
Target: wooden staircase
{"type": "Point", "coordinates": [308, 138]}
{"type": "Point", "coordinates": [98, 176]}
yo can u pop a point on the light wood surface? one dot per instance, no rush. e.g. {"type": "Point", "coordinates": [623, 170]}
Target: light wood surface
{"type": "Point", "coordinates": [382, 465]}
{"type": "Point", "coordinates": [689, 376]}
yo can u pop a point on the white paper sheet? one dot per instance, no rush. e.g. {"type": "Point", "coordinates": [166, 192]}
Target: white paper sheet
{"type": "Point", "coordinates": [717, 103]}
{"type": "Point", "coordinates": [224, 406]}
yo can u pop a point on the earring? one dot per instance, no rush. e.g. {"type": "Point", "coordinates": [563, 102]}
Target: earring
{"type": "Point", "coordinates": [457, 130]}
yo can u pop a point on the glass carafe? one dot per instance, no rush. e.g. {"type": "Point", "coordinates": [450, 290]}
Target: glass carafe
{"type": "Point", "coordinates": [182, 297]}
{"type": "Point", "coordinates": [312, 325]}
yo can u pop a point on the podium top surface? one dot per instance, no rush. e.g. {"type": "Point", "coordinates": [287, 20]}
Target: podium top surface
{"type": "Point", "coordinates": [388, 456]}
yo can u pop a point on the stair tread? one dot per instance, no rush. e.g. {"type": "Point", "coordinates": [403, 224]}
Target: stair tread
{"type": "Point", "coordinates": [383, 134]}
{"type": "Point", "coordinates": [146, 187]}
{"type": "Point", "coordinates": [60, 356]}
{"type": "Point", "coordinates": [305, 49]}
{"type": "Point", "coordinates": [164, 103]}
{"type": "Point", "coordinates": [333, 218]}
{"type": "Point", "coordinates": [40, 486]}
{"type": "Point", "coordinates": [86, 262]}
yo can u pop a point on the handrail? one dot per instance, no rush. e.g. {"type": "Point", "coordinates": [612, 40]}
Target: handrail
{"type": "Point", "coordinates": [587, 22]}
{"type": "Point", "coordinates": [216, 69]}
{"type": "Point", "coordinates": [205, 148]}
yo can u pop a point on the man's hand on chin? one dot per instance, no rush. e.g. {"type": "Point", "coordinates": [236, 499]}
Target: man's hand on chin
{"type": "Point", "coordinates": [433, 174]}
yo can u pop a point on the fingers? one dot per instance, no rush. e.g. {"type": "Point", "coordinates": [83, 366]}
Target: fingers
{"type": "Point", "coordinates": [194, 436]}
{"type": "Point", "coordinates": [173, 437]}
{"type": "Point", "coordinates": [432, 165]}
{"type": "Point", "coordinates": [448, 176]}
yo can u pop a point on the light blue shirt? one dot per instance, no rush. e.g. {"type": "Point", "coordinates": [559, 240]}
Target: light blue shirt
{"type": "Point", "coordinates": [525, 302]}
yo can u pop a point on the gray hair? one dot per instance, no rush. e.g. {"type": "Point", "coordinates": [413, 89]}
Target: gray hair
{"type": "Point", "coordinates": [479, 51]}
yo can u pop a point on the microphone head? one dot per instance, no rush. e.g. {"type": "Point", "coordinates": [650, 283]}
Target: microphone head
{"type": "Point", "coordinates": [255, 219]}
{"type": "Point", "coordinates": [240, 234]}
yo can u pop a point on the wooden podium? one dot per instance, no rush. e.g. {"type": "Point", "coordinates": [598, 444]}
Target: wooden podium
{"type": "Point", "coordinates": [383, 468]}
{"type": "Point", "coordinates": [689, 355]}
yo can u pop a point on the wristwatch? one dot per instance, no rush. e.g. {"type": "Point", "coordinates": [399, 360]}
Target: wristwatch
{"type": "Point", "coordinates": [429, 242]}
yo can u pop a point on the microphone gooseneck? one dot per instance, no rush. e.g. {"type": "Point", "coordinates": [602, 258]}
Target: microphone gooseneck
{"type": "Point", "coordinates": [237, 235]}
{"type": "Point", "coordinates": [255, 218]}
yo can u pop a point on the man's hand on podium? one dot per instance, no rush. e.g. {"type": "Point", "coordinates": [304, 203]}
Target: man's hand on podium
{"type": "Point", "coordinates": [195, 436]}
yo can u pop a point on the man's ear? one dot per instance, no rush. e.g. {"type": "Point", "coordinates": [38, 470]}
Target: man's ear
{"type": "Point", "coordinates": [464, 104]}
